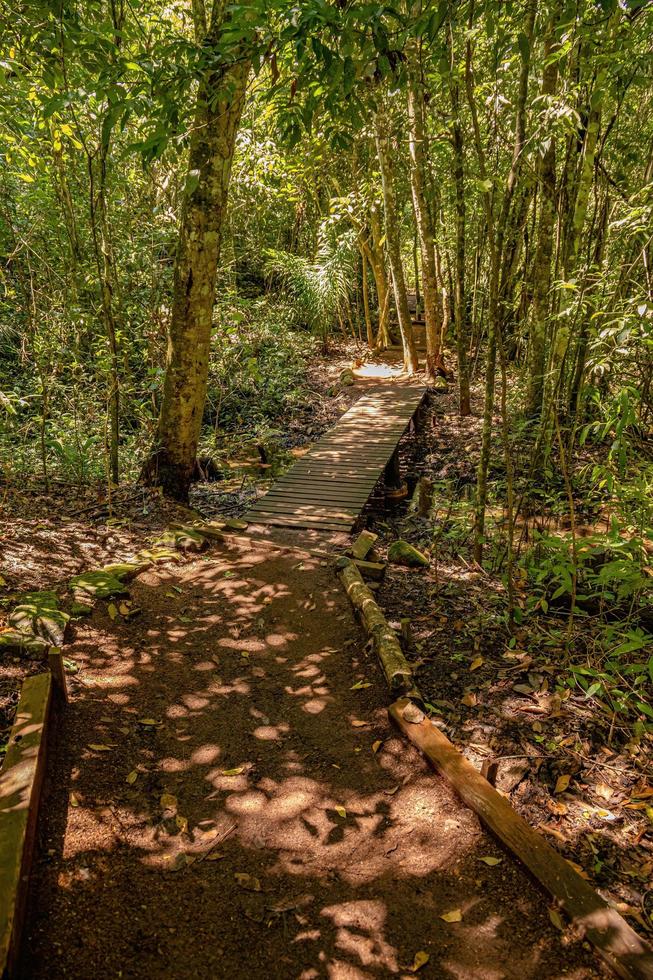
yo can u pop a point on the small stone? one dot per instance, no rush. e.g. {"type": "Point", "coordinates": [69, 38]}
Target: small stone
{"type": "Point", "coordinates": [402, 553]}
{"type": "Point", "coordinates": [184, 539]}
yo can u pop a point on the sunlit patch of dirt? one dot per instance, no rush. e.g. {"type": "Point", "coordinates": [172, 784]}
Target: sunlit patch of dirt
{"type": "Point", "coordinates": [225, 827]}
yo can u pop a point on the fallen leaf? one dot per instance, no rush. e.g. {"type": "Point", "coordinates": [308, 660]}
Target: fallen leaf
{"type": "Point", "coordinates": [99, 748]}
{"type": "Point", "coordinates": [555, 806]}
{"type": "Point", "coordinates": [420, 959]}
{"type": "Point", "coordinates": [182, 823]}
{"type": "Point", "coordinates": [131, 777]}
{"type": "Point", "coordinates": [124, 609]}
{"type": "Point", "coordinates": [454, 916]}
{"type": "Point", "coordinates": [340, 810]}
{"type": "Point", "coordinates": [491, 861]}
{"type": "Point", "coordinates": [604, 791]}
{"type": "Point", "coordinates": [149, 722]}
{"type": "Point", "coordinates": [376, 746]}
{"type": "Point", "coordinates": [168, 801]}
{"type": "Point", "coordinates": [469, 699]}
{"type": "Point", "coordinates": [391, 792]}
{"type": "Point", "coordinates": [248, 882]}
{"type": "Point", "coordinates": [233, 772]}
{"type": "Point", "coordinates": [111, 609]}
{"type": "Point", "coordinates": [214, 856]}
{"type": "Point", "coordinates": [475, 664]}
{"type": "Point", "coordinates": [577, 868]}
{"type": "Point", "coordinates": [74, 799]}
{"type": "Point", "coordinates": [562, 783]}
{"type": "Point", "coordinates": [556, 919]}
{"type": "Point", "coordinates": [359, 724]}
{"type": "Point", "coordinates": [359, 685]}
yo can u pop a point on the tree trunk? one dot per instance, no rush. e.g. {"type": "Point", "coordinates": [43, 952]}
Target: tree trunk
{"type": "Point", "coordinates": [219, 106]}
{"type": "Point", "coordinates": [377, 261]}
{"type": "Point", "coordinates": [460, 312]}
{"type": "Point", "coordinates": [423, 221]}
{"type": "Point", "coordinates": [106, 271]}
{"type": "Point", "coordinates": [560, 348]}
{"type": "Point", "coordinates": [393, 242]}
{"type": "Point", "coordinates": [541, 274]}
{"type": "Point", "coordinates": [366, 300]}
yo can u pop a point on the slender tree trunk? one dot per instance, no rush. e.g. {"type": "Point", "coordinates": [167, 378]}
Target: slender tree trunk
{"type": "Point", "coordinates": [377, 261]}
{"type": "Point", "coordinates": [366, 300]}
{"type": "Point", "coordinates": [393, 242]}
{"type": "Point", "coordinates": [497, 228]}
{"type": "Point", "coordinates": [560, 348]}
{"type": "Point", "coordinates": [219, 107]}
{"type": "Point", "coordinates": [541, 273]}
{"type": "Point", "coordinates": [104, 260]}
{"type": "Point", "coordinates": [423, 220]}
{"type": "Point", "coordinates": [460, 311]}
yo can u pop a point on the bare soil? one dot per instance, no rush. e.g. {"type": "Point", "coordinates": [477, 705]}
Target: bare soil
{"type": "Point", "coordinates": [226, 798]}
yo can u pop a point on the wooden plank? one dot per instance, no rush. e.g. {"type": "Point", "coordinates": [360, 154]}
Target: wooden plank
{"type": "Point", "coordinates": [315, 497]}
{"type": "Point", "coordinates": [58, 671]}
{"type": "Point", "coordinates": [21, 779]}
{"type": "Point", "coordinates": [285, 520]}
{"type": "Point", "coordinates": [628, 954]}
{"type": "Point", "coordinates": [326, 513]}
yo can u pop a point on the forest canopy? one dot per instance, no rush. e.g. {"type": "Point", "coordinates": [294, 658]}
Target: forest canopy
{"type": "Point", "coordinates": [187, 188]}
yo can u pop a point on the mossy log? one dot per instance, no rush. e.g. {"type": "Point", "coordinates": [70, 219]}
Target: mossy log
{"type": "Point", "coordinates": [396, 668]}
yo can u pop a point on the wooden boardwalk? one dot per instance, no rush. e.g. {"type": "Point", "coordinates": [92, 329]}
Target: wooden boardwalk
{"type": "Point", "coordinates": [329, 486]}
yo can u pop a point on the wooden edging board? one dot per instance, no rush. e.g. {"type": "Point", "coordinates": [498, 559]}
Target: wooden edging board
{"type": "Point", "coordinates": [627, 953]}
{"type": "Point", "coordinates": [21, 778]}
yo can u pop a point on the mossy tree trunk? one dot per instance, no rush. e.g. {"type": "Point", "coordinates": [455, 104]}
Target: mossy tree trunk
{"type": "Point", "coordinates": [219, 106]}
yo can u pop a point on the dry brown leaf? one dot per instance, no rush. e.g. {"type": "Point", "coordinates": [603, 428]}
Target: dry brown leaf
{"type": "Point", "coordinates": [376, 746]}
{"type": "Point", "coordinates": [562, 783]}
{"type": "Point", "coordinates": [248, 882]}
{"type": "Point", "coordinates": [557, 807]}
{"type": "Point", "coordinates": [168, 801]}
{"type": "Point", "coordinates": [469, 699]}
{"type": "Point", "coordinates": [578, 869]}
{"type": "Point", "coordinates": [99, 748]}
{"type": "Point", "coordinates": [359, 724]}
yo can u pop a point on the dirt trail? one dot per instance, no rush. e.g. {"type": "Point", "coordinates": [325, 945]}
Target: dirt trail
{"type": "Point", "coordinates": [248, 658]}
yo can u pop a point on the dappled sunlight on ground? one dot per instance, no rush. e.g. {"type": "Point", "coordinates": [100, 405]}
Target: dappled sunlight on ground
{"type": "Point", "coordinates": [223, 781]}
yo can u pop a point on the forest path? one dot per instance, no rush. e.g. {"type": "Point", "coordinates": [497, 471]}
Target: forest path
{"type": "Point", "coordinates": [226, 798]}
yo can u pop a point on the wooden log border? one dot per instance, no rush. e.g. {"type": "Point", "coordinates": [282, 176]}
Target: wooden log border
{"type": "Point", "coordinates": [629, 955]}
{"type": "Point", "coordinates": [21, 779]}
{"type": "Point", "coordinates": [398, 672]}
